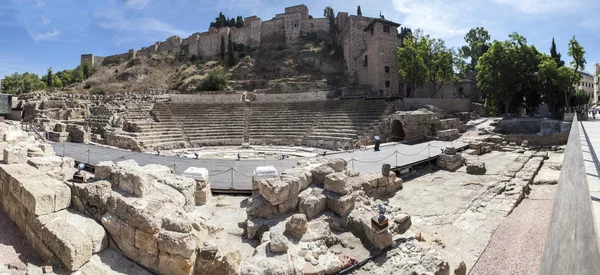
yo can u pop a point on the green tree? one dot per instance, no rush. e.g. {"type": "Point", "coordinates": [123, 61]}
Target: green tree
{"type": "Point", "coordinates": [328, 13]}
{"type": "Point", "coordinates": [507, 74]}
{"type": "Point", "coordinates": [576, 52]}
{"type": "Point", "coordinates": [230, 57]}
{"type": "Point", "coordinates": [222, 47]}
{"type": "Point", "coordinates": [49, 78]}
{"type": "Point", "coordinates": [77, 75]}
{"type": "Point", "coordinates": [410, 63]}
{"type": "Point", "coordinates": [477, 44]}
{"type": "Point", "coordinates": [87, 69]}
{"type": "Point", "coordinates": [438, 63]}
{"type": "Point", "coordinates": [403, 33]}
{"type": "Point", "coordinates": [239, 22]}
{"type": "Point", "coordinates": [65, 77]}
{"type": "Point", "coordinates": [358, 11]}
{"type": "Point", "coordinates": [548, 83]}
{"type": "Point", "coordinates": [556, 55]}
{"type": "Point", "coordinates": [216, 80]}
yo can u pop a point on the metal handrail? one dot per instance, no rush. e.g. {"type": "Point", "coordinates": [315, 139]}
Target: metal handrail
{"type": "Point", "coordinates": [572, 242]}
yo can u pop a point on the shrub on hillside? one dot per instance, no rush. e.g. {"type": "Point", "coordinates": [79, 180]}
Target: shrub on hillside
{"type": "Point", "coordinates": [87, 85]}
{"type": "Point", "coordinates": [308, 46]}
{"type": "Point", "coordinates": [98, 91]}
{"type": "Point", "coordinates": [280, 47]}
{"type": "Point", "coordinates": [216, 80]}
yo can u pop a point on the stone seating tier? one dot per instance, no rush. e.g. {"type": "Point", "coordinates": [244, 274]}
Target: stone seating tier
{"type": "Point", "coordinates": [320, 123]}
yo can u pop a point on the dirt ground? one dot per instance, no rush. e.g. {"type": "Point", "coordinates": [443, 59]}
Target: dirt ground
{"type": "Point", "coordinates": [457, 210]}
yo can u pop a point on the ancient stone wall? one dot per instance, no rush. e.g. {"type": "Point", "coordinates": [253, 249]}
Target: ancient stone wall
{"type": "Point", "coordinates": [114, 59]}
{"type": "Point", "coordinates": [242, 35]}
{"type": "Point", "coordinates": [292, 26]}
{"type": "Point", "coordinates": [317, 25]}
{"type": "Point", "coordinates": [171, 46]}
{"type": "Point", "coordinates": [539, 140]}
{"type": "Point", "coordinates": [447, 105]}
{"type": "Point", "coordinates": [416, 125]}
{"type": "Point", "coordinates": [302, 10]}
{"type": "Point", "coordinates": [354, 41]}
{"type": "Point", "coordinates": [272, 32]}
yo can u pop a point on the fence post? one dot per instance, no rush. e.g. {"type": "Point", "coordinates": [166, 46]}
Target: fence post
{"type": "Point", "coordinates": [396, 153]}
{"type": "Point", "coordinates": [352, 164]}
{"type": "Point", "coordinates": [231, 178]}
{"type": "Point", "coordinates": [88, 159]}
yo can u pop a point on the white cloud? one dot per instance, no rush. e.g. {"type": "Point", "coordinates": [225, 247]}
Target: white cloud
{"type": "Point", "coordinates": [542, 6]}
{"type": "Point", "coordinates": [116, 20]}
{"type": "Point", "coordinates": [45, 20]}
{"type": "Point", "coordinates": [39, 3]}
{"type": "Point", "coordinates": [38, 35]}
{"type": "Point", "coordinates": [439, 18]}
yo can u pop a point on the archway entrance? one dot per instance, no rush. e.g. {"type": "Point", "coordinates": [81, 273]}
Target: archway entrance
{"type": "Point", "coordinates": [397, 131]}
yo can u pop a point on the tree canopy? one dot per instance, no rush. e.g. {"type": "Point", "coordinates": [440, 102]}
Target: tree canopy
{"type": "Point", "coordinates": [411, 64]}
{"type": "Point", "coordinates": [576, 52]}
{"type": "Point", "coordinates": [477, 40]}
{"type": "Point", "coordinates": [223, 21]}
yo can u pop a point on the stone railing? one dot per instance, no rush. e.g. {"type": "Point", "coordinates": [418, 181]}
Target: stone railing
{"type": "Point", "coordinates": [572, 242]}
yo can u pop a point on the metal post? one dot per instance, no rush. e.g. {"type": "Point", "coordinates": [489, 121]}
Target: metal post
{"type": "Point", "coordinates": [352, 164]}
{"type": "Point", "coordinates": [174, 168]}
{"type": "Point", "coordinates": [396, 153]}
{"type": "Point", "coordinates": [429, 150]}
{"type": "Point", "coordinates": [231, 178]}
{"type": "Point", "coordinates": [88, 151]}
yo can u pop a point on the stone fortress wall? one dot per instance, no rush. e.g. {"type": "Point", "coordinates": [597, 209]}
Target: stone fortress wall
{"type": "Point", "coordinates": [378, 43]}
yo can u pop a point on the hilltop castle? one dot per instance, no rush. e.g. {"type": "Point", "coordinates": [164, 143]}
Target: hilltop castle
{"type": "Point", "coordinates": [369, 44]}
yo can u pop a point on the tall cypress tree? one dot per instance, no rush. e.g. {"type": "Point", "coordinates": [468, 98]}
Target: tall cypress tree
{"type": "Point", "coordinates": [358, 11]}
{"type": "Point", "coordinates": [49, 78]}
{"type": "Point", "coordinates": [556, 55]}
{"type": "Point", "coordinates": [230, 58]}
{"type": "Point", "coordinates": [222, 47]}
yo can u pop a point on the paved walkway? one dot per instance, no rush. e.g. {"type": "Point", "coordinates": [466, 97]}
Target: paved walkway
{"type": "Point", "coordinates": [590, 143]}
{"type": "Point", "coordinates": [227, 173]}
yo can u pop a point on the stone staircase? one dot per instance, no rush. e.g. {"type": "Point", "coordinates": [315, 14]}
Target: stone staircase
{"type": "Point", "coordinates": [328, 124]}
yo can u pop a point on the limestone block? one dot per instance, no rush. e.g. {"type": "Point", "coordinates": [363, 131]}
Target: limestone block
{"type": "Point", "coordinates": [89, 226]}
{"type": "Point", "coordinates": [59, 136]}
{"type": "Point", "coordinates": [403, 223]}
{"type": "Point", "coordinates": [261, 208]}
{"type": "Point", "coordinates": [296, 226]}
{"type": "Point", "coordinates": [184, 244]}
{"type": "Point", "coordinates": [476, 168]}
{"type": "Point", "coordinates": [288, 205]}
{"type": "Point", "coordinates": [136, 182]}
{"type": "Point", "coordinates": [62, 193]}
{"type": "Point", "coordinates": [278, 243]}
{"type": "Point", "coordinates": [70, 244]}
{"type": "Point", "coordinates": [336, 182]}
{"type": "Point", "coordinates": [46, 163]}
{"type": "Point", "coordinates": [146, 242]}
{"type": "Point", "coordinates": [319, 173]}
{"type": "Point", "coordinates": [312, 202]}
{"type": "Point", "coordinates": [15, 155]}
{"type": "Point", "coordinates": [175, 264]}
{"type": "Point", "coordinates": [145, 214]}
{"type": "Point", "coordinates": [276, 190]}
{"type": "Point", "coordinates": [337, 164]}
{"type": "Point", "coordinates": [184, 185]}
{"type": "Point", "coordinates": [60, 127]}
{"type": "Point", "coordinates": [103, 170]}
{"type": "Point", "coordinates": [37, 198]}
{"type": "Point", "coordinates": [203, 195]}
{"type": "Point", "coordinates": [177, 221]}
{"type": "Point", "coordinates": [304, 175]}
{"type": "Point", "coordinates": [33, 151]}
{"type": "Point", "coordinates": [341, 205]}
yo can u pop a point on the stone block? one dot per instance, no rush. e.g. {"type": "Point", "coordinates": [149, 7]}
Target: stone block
{"type": "Point", "coordinates": [278, 242]}
{"type": "Point", "coordinates": [341, 205]}
{"type": "Point", "coordinates": [175, 264]}
{"type": "Point", "coordinates": [73, 247]}
{"type": "Point", "coordinates": [60, 127]}
{"type": "Point", "coordinates": [337, 164]}
{"type": "Point", "coordinates": [59, 136]}
{"type": "Point", "coordinates": [476, 168]}
{"type": "Point", "coordinates": [47, 149]}
{"type": "Point", "coordinates": [296, 226]}
{"type": "Point", "coordinates": [175, 243]}
{"type": "Point", "coordinates": [45, 164]}
{"type": "Point", "coordinates": [177, 221]}
{"type": "Point", "coordinates": [202, 195]}
{"type": "Point", "coordinates": [15, 155]}
{"type": "Point", "coordinates": [146, 242]}
{"type": "Point", "coordinates": [276, 190]}
{"type": "Point", "coordinates": [336, 182]}
{"type": "Point", "coordinates": [135, 182]}
{"type": "Point", "coordinates": [37, 198]}
{"type": "Point", "coordinates": [385, 169]}
{"type": "Point", "coordinates": [303, 175]}
{"type": "Point", "coordinates": [103, 170]}
{"type": "Point", "coordinates": [312, 202]}
{"type": "Point", "coordinates": [319, 173]}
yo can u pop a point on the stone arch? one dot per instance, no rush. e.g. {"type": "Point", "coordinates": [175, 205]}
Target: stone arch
{"type": "Point", "coordinates": [397, 130]}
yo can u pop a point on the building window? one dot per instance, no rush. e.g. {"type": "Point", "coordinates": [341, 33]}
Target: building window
{"type": "Point", "coordinates": [366, 63]}
{"type": "Point", "coordinates": [387, 69]}
{"type": "Point", "coordinates": [386, 29]}
{"type": "Point", "coordinates": [387, 83]}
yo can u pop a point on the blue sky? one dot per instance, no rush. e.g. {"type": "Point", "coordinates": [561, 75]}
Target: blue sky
{"type": "Point", "coordinates": [37, 34]}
